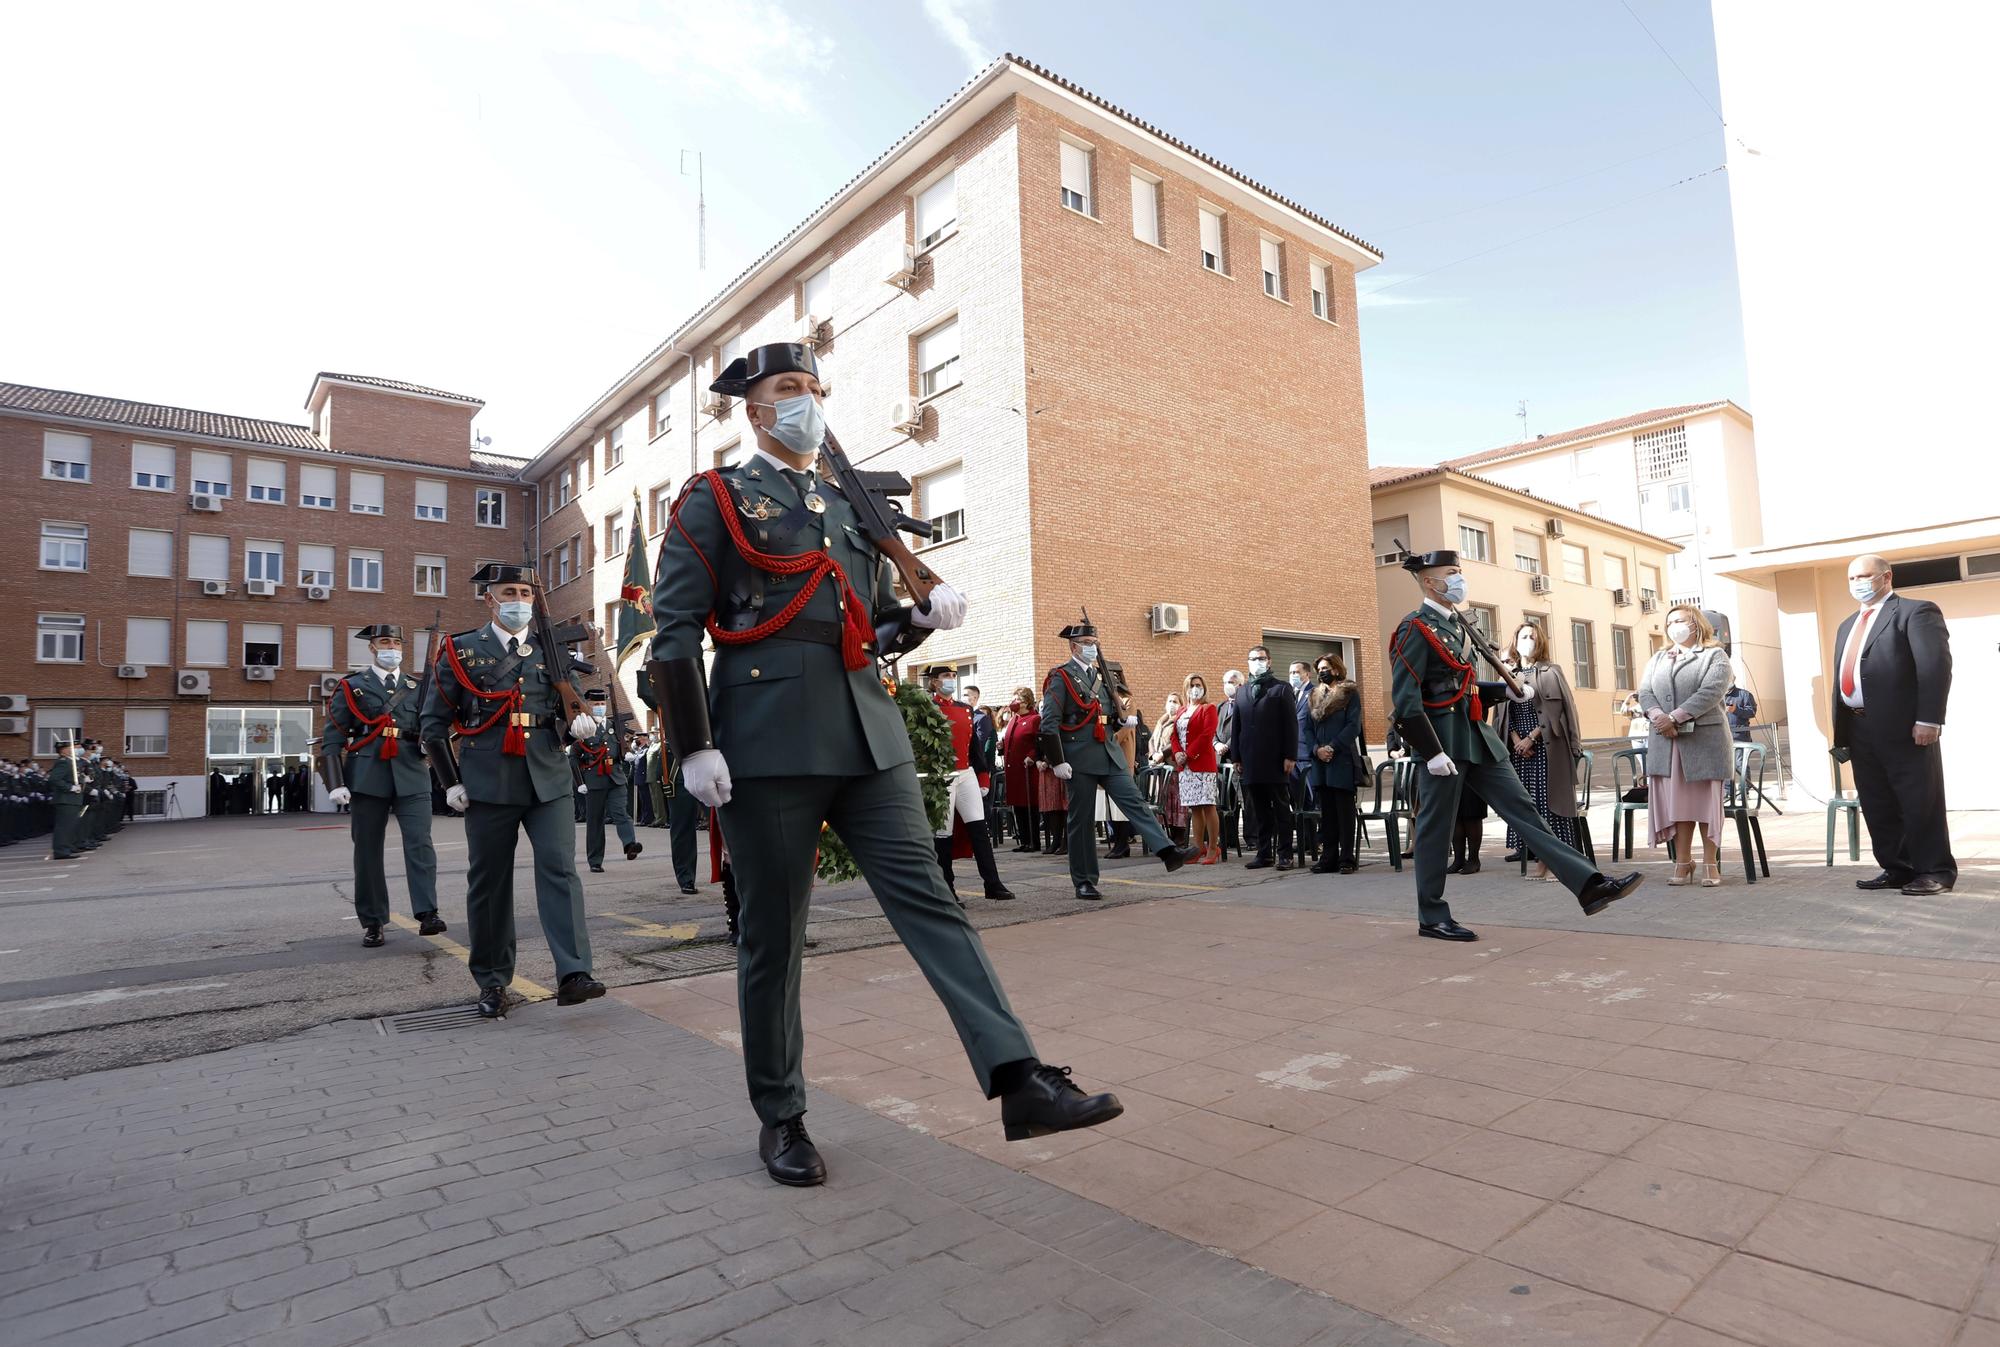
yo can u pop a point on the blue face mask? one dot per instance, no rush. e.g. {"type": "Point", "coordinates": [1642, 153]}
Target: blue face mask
{"type": "Point", "coordinates": [389, 659]}
{"type": "Point", "coordinates": [516, 616]}
{"type": "Point", "coordinates": [1087, 653]}
{"type": "Point", "coordinates": [1454, 589]}
{"type": "Point", "coordinates": [800, 424]}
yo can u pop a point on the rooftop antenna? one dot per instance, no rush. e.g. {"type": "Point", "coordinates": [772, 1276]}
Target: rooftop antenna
{"type": "Point", "coordinates": [1521, 411]}
{"type": "Point", "coordinates": [701, 207]}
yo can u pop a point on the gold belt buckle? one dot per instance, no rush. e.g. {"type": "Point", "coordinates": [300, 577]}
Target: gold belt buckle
{"type": "Point", "coordinates": [389, 732]}
{"type": "Point", "coordinates": [523, 719]}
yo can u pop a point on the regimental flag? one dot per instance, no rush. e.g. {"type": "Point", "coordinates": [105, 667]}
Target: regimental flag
{"type": "Point", "coordinates": [635, 606]}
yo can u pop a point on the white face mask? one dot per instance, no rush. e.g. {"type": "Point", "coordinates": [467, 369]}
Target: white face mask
{"type": "Point", "coordinates": [1679, 632]}
{"type": "Point", "coordinates": [1196, 694]}
{"type": "Point", "coordinates": [600, 711]}
{"type": "Point", "coordinates": [799, 423]}
{"type": "Point", "coordinates": [1298, 681]}
{"type": "Point", "coordinates": [389, 659]}
{"type": "Point", "coordinates": [1259, 667]}
{"type": "Point", "coordinates": [1087, 653]}
{"type": "Point", "coordinates": [1526, 645]}
{"type": "Point", "coordinates": [1863, 589]}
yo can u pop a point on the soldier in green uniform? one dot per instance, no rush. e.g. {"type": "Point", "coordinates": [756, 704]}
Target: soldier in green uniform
{"type": "Point", "coordinates": [90, 830]}
{"type": "Point", "coordinates": [1077, 741]}
{"type": "Point", "coordinates": [771, 559]}
{"type": "Point", "coordinates": [679, 810]}
{"type": "Point", "coordinates": [606, 780]}
{"type": "Point", "coordinates": [494, 687]}
{"type": "Point", "coordinates": [1436, 699]}
{"type": "Point", "coordinates": [66, 790]}
{"type": "Point", "coordinates": [371, 759]}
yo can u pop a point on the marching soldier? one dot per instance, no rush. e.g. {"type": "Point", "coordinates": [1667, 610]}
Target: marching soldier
{"type": "Point", "coordinates": [606, 782]}
{"type": "Point", "coordinates": [1436, 701]}
{"type": "Point", "coordinates": [772, 560]}
{"type": "Point", "coordinates": [493, 686]}
{"type": "Point", "coordinates": [1076, 740]}
{"type": "Point", "coordinates": [967, 806]}
{"type": "Point", "coordinates": [67, 789]}
{"type": "Point", "coordinates": [371, 761]}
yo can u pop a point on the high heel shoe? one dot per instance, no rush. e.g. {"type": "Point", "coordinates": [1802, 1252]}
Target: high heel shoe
{"type": "Point", "coordinates": [1713, 878]}
{"type": "Point", "coordinates": [1682, 877]}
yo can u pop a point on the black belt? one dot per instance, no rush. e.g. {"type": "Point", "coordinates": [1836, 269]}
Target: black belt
{"type": "Point", "coordinates": [812, 630]}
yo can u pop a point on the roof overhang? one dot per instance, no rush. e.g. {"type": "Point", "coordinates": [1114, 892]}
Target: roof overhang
{"type": "Point", "coordinates": [1762, 565]}
{"type": "Point", "coordinates": [993, 86]}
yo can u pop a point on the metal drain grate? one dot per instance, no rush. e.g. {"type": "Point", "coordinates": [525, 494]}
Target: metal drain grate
{"type": "Point", "coordinates": [688, 960]}
{"type": "Point", "coordinates": [427, 1021]}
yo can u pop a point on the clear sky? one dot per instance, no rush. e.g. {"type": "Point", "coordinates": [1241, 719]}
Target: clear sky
{"type": "Point", "coordinates": [206, 203]}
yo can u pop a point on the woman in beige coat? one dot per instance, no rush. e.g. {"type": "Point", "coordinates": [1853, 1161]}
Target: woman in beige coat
{"type": "Point", "coordinates": [1541, 737]}
{"type": "Point", "coordinates": [1689, 753]}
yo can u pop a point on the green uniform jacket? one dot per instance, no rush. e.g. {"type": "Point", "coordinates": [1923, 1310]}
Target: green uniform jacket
{"type": "Point", "coordinates": [587, 770]}
{"type": "Point", "coordinates": [365, 770]}
{"type": "Point", "coordinates": [488, 774]}
{"type": "Point", "coordinates": [781, 706]}
{"type": "Point", "coordinates": [1060, 708]}
{"type": "Point", "coordinates": [1419, 676]}
{"type": "Point", "coordinates": [62, 778]}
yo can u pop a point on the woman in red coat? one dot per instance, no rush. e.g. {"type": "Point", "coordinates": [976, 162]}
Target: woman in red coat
{"type": "Point", "coordinates": [1017, 752]}
{"type": "Point", "coordinates": [1192, 746]}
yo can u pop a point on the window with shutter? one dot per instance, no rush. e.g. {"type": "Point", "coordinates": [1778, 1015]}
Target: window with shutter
{"type": "Point", "coordinates": [937, 211]}
{"type": "Point", "coordinates": [65, 455]}
{"type": "Point", "coordinates": [430, 500]}
{"type": "Point", "coordinates": [1076, 178]}
{"type": "Point", "coordinates": [1272, 254]}
{"type": "Point", "coordinates": [149, 640]}
{"type": "Point", "coordinates": [263, 644]}
{"type": "Point", "coordinates": [1322, 294]}
{"type": "Point", "coordinates": [364, 492]}
{"type": "Point", "coordinates": [208, 557]}
{"type": "Point", "coordinates": [316, 487]}
{"type": "Point", "coordinates": [65, 547]}
{"type": "Point", "coordinates": [152, 467]}
{"type": "Point", "coordinates": [314, 646]}
{"type": "Point", "coordinates": [146, 731]}
{"type": "Point", "coordinates": [207, 643]}
{"type": "Point", "coordinates": [941, 498]}
{"type": "Point", "coordinates": [266, 480]}
{"type": "Point", "coordinates": [1145, 210]}
{"type": "Point", "coordinates": [937, 359]}
{"type": "Point", "coordinates": [210, 474]}
{"type": "Point", "coordinates": [316, 565]}
{"type": "Point", "coordinates": [816, 294]}
{"type": "Point", "coordinates": [149, 552]}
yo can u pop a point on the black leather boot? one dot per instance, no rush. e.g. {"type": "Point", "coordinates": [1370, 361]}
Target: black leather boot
{"type": "Point", "coordinates": [789, 1155]}
{"type": "Point", "coordinates": [1025, 820]}
{"type": "Point", "coordinates": [1049, 1101]}
{"type": "Point", "coordinates": [943, 845]}
{"type": "Point", "coordinates": [1475, 836]}
{"type": "Point", "coordinates": [1055, 830]}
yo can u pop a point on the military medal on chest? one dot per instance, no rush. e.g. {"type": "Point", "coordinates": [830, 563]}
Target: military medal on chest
{"type": "Point", "coordinates": [815, 502]}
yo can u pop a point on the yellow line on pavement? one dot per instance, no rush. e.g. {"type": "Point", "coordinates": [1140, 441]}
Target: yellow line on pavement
{"type": "Point", "coordinates": [640, 926]}
{"type": "Point", "coordinates": [1162, 884]}
{"type": "Point", "coordinates": [530, 991]}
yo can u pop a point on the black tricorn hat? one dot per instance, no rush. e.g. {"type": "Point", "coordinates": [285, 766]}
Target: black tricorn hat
{"type": "Point", "coordinates": [940, 670]}
{"type": "Point", "coordinates": [379, 631]}
{"type": "Point", "coordinates": [1078, 631]}
{"type": "Point", "coordinates": [596, 695]}
{"type": "Point", "coordinates": [1423, 561]}
{"type": "Point", "coordinates": [503, 573]}
{"type": "Point", "coordinates": [783, 357]}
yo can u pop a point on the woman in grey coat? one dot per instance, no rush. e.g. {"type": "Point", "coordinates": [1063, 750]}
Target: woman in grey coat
{"type": "Point", "coordinates": [1689, 753]}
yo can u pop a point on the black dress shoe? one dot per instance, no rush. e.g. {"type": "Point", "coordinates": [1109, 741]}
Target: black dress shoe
{"type": "Point", "coordinates": [1348, 867]}
{"type": "Point", "coordinates": [597, 869]}
{"type": "Point", "coordinates": [632, 850]}
{"type": "Point", "coordinates": [789, 1155]}
{"type": "Point", "coordinates": [430, 923]}
{"type": "Point", "coordinates": [1925, 887]}
{"type": "Point", "coordinates": [1604, 890]}
{"type": "Point", "coordinates": [371, 937]}
{"type": "Point", "coordinates": [1885, 880]}
{"type": "Point", "coordinates": [1121, 852]}
{"type": "Point", "coordinates": [1051, 1102]}
{"type": "Point", "coordinates": [1513, 857]}
{"type": "Point", "coordinates": [493, 1003]}
{"type": "Point", "coordinates": [1471, 866]}
{"type": "Point", "coordinates": [1173, 857]}
{"type": "Point", "coordinates": [689, 888]}
{"type": "Point", "coordinates": [577, 988]}
{"type": "Point", "coordinates": [1087, 890]}
{"type": "Point", "coordinates": [1259, 863]}
{"type": "Point", "coordinates": [1054, 849]}
{"type": "Point", "coordinates": [1322, 867]}
{"type": "Point", "coordinates": [998, 893]}
{"type": "Point", "coordinates": [1445, 930]}
{"type": "Point", "coordinates": [1285, 863]}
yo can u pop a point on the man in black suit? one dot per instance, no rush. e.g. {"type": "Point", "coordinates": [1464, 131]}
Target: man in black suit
{"type": "Point", "coordinates": [1264, 746]}
{"type": "Point", "coordinates": [1892, 679]}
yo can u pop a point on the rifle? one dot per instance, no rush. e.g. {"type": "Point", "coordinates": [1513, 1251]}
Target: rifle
{"type": "Point", "coordinates": [560, 672]}
{"type": "Point", "coordinates": [879, 525]}
{"type": "Point", "coordinates": [618, 717]}
{"type": "Point", "coordinates": [1479, 641]}
{"type": "Point", "coordinates": [1112, 676]}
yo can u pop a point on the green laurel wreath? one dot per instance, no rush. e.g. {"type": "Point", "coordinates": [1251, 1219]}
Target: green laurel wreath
{"type": "Point", "coordinates": [930, 741]}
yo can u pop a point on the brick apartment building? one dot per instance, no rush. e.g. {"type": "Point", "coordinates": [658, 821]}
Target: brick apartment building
{"type": "Point", "coordinates": [180, 584]}
{"type": "Point", "coordinates": [1118, 372]}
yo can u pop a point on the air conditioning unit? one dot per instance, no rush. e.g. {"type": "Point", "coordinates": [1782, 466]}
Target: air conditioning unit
{"type": "Point", "coordinates": [13, 724]}
{"type": "Point", "coordinates": [13, 701]}
{"type": "Point", "coordinates": [318, 593]}
{"type": "Point", "coordinates": [1555, 527]}
{"type": "Point", "coordinates": [1621, 598]}
{"type": "Point", "coordinates": [215, 589]}
{"type": "Point", "coordinates": [813, 330]}
{"type": "Point", "coordinates": [906, 275]}
{"type": "Point", "coordinates": [205, 504]}
{"type": "Point", "coordinates": [1540, 584]}
{"type": "Point", "coordinates": [1647, 605]}
{"type": "Point", "coordinates": [1169, 619]}
{"type": "Point", "coordinates": [717, 407]}
{"type": "Point", "coordinates": [191, 682]}
{"type": "Point", "coordinates": [266, 588]}
{"type": "Point", "coordinates": [329, 684]}
{"type": "Point", "coordinates": [906, 416]}
{"type": "Point", "coordinates": [131, 671]}
{"type": "Point", "coordinates": [260, 673]}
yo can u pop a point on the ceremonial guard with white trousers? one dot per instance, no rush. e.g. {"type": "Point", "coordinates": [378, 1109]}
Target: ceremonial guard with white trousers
{"type": "Point", "coordinates": [370, 757]}
{"type": "Point", "coordinates": [606, 779]}
{"type": "Point", "coordinates": [496, 687]}
{"type": "Point", "coordinates": [1076, 741]}
{"type": "Point", "coordinates": [968, 803]}
{"type": "Point", "coordinates": [1437, 704]}
{"type": "Point", "coordinates": [788, 571]}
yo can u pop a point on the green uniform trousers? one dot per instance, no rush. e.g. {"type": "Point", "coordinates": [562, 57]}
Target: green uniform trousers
{"type": "Point", "coordinates": [681, 812]}
{"type": "Point", "coordinates": [1124, 793]}
{"type": "Point", "coordinates": [595, 807]}
{"type": "Point", "coordinates": [1500, 786]}
{"type": "Point", "coordinates": [368, 825]}
{"type": "Point", "coordinates": [772, 826]}
{"type": "Point", "coordinates": [68, 824]}
{"type": "Point", "coordinates": [491, 833]}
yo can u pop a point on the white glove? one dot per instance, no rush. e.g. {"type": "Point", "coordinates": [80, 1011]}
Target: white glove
{"type": "Point", "coordinates": [341, 795]}
{"type": "Point", "coordinates": [583, 727]}
{"type": "Point", "coordinates": [1526, 694]}
{"type": "Point", "coordinates": [76, 790]}
{"type": "Point", "coordinates": [706, 774]}
{"type": "Point", "coordinates": [1442, 765]}
{"type": "Point", "coordinates": [456, 797]}
{"type": "Point", "coordinates": [1129, 720]}
{"type": "Point", "coordinates": [1063, 771]}
{"type": "Point", "coordinates": [947, 610]}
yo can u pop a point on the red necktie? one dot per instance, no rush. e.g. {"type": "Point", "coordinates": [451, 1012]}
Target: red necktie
{"type": "Point", "coordinates": [1851, 658]}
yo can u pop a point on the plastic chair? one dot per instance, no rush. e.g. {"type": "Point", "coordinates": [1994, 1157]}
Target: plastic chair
{"type": "Point", "coordinates": [1633, 775]}
{"type": "Point", "coordinates": [1843, 803]}
{"type": "Point", "coordinates": [1740, 801]}
{"type": "Point", "coordinates": [1227, 805]}
{"type": "Point", "coordinates": [1586, 767]}
{"type": "Point", "coordinates": [1401, 773]}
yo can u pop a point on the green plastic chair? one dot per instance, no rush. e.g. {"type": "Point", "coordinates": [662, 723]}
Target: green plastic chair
{"type": "Point", "coordinates": [1628, 770]}
{"type": "Point", "coordinates": [1741, 800]}
{"type": "Point", "coordinates": [1394, 809]}
{"type": "Point", "coordinates": [1842, 803]}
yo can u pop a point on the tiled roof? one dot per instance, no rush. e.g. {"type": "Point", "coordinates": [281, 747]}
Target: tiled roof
{"type": "Point", "coordinates": [152, 416]}
{"type": "Point", "coordinates": [1391, 474]}
{"type": "Point", "coordinates": [398, 386]}
{"type": "Point", "coordinates": [492, 462]}
{"type": "Point", "coordinates": [1589, 432]}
